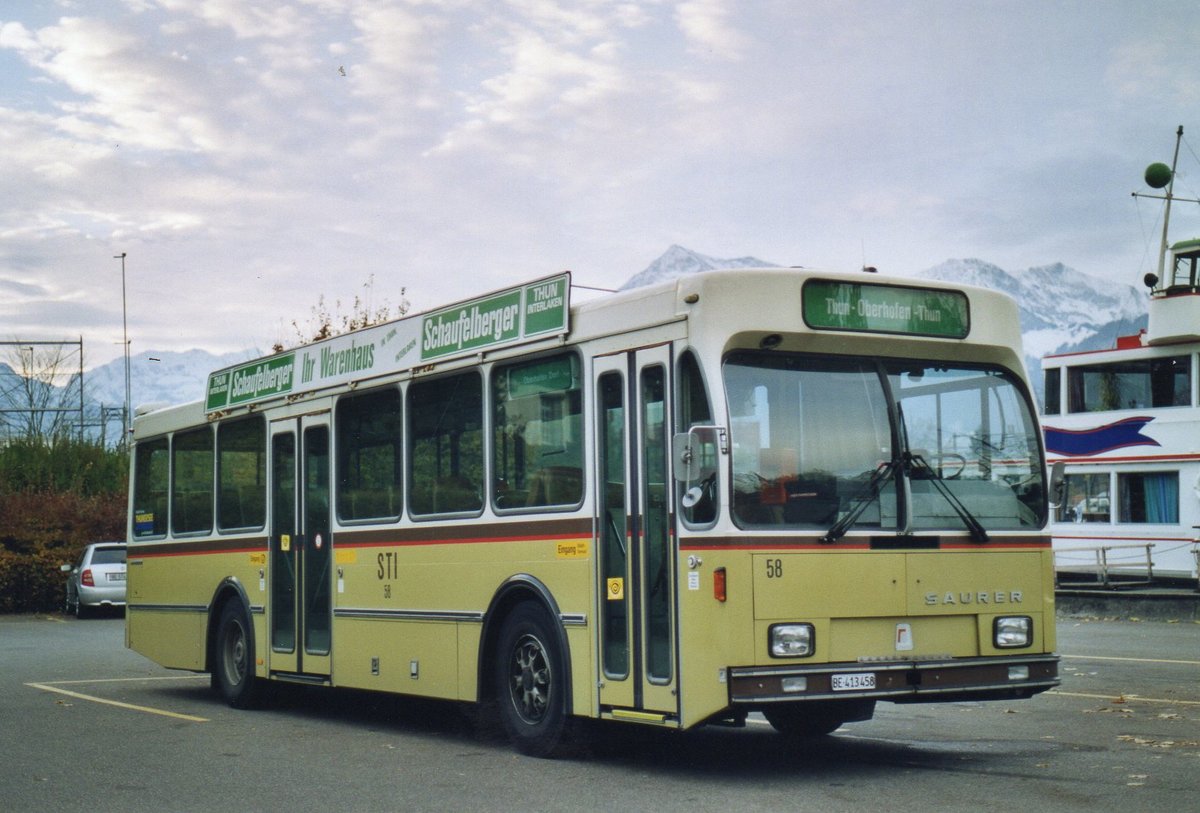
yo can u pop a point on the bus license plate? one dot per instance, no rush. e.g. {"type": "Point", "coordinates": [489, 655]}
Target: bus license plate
{"type": "Point", "coordinates": [853, 681]}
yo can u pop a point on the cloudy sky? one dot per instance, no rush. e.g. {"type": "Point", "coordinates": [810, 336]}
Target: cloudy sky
{"type": "Point", "coordinates": [250, 157]}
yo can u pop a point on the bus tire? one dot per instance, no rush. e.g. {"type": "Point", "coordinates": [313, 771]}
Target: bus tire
{"type": "Point", "coordinates": [817, 719]}
{"type": "Point", "coordinates": [530, 688]}
{"type": "Point", "coordinates": [233, 667]}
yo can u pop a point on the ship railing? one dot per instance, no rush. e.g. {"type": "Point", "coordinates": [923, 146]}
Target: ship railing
{"type": "Point", "coordinates": [1110, 565]}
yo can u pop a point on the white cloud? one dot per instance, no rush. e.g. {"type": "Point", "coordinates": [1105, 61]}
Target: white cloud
{"type": "Point", "coordinates": [18, 37]}
{"type": "Point", "coordinates": [547, 71]}
{"type": "Point", "coordinates": [399, 49]}
{"type": "Point", "coordinates": [246, 20]}
{"type": "Point", "coordinates": [120, 92]}
{"type": "Point", "coordinates": [709, 28]}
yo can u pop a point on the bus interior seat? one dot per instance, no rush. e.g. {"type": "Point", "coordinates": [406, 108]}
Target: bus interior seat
{"type": "Point", "coordinates": [555, 485]}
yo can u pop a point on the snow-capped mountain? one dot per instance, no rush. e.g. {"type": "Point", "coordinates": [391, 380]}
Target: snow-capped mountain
{"type": "Point", "coordinates": [1060, 308]}
{"type": "Point", "coordinates": [155, 377]}
{"type": "Point", "coordinates": [158, 376]}
{"type": "Point", "coordinates": [678, 261]}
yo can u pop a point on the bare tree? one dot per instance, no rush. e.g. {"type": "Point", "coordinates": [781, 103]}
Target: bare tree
{"type": "Point", "coordinates": [324, 322]}
{"type": "Point", "coordinates": [40, 392]}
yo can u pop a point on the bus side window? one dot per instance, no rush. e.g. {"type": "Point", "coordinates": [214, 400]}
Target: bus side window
{"type": "Point", "coordinates": [369, 433]}
{"type": "Point", "coordinates": [192, 482]}
{"type": "Point", "coordinates": [242, 474]}
{"type": "Point", "coordinates": [537, 433]}
{"type": "Point", "coordinates": [151, 483]}
{"type": "Point", "coordinates": [446, 427]}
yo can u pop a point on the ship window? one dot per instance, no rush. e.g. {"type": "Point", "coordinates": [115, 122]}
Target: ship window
{"type": "Point", "coordinates": [1137, 384]}
{"type": "Point", "coordinates": [1053, 402]}
{"type": "Point", "coordinates": [1151, 497]}
{"type": "Point", "coordinates": [1185, 270]}
{"type": "Point", "coordinates": [1086, 499]}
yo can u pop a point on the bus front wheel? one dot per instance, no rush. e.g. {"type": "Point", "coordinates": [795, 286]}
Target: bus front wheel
{"type": "Point", "coordinates": [529, 683]}
{"type": "Point", "coordinates": [233, 669]}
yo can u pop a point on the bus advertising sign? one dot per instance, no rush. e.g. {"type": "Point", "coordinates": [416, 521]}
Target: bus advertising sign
{"type": "Point", "coordinates": [518, 314]}
{"type": "Point", "coordinates": [879, 308]}
{"type": "Point", "coordinates": [251, 382]}
{"type": "Point", "coordinates": [531, 310]}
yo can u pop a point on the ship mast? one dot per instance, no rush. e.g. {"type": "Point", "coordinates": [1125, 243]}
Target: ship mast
{"type": "Point", "coordinates": [1162, 251]}
{"type": "Point", "coordinates": [1174, 312]}
{"type": "Point", "coordinates": [1158, 176]}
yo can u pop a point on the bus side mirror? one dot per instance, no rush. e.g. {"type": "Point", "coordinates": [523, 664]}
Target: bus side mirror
{"type": "Point", "coordinates": [692, 496]}
{"type": "Point", "coordinates": [1058, 483]}
{"type": "Point", "coordinates": [695, 451]}
{"type": "Point", "coordinates": [696, 454]}
{"type": "Point", "coordinates": [686, 453]}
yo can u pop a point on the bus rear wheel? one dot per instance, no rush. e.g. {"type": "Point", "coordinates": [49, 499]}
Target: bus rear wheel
{"type": "Point", "coordinates": [817, 719]}
{"type": "Point", "coordinates": [529, 683]}
{"type": "Point", "coordinates": [233, 669]}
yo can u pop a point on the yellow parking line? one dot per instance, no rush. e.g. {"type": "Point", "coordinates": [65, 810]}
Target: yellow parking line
{"type": "Point", "coordinates": [1126, 698]}
{"type": "Point", "coordinates": [123, 680]}
{"type": "Point", "coordinates": [1129, 660]}
{"type": "Point", "coordinates": [147, 709]}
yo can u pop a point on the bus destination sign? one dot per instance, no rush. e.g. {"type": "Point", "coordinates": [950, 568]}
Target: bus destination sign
{"type": "Point", "coordinates": [872, 307]}
{"type": "Point", "coordinates": [524, 313]}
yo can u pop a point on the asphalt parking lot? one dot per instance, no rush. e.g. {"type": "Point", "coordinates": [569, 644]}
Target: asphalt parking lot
{"type": "Point", "coordinates": [89, 725]}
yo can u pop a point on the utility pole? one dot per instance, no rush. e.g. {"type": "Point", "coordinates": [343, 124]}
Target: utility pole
{"type": "Point", "coordinates": [127, 425]}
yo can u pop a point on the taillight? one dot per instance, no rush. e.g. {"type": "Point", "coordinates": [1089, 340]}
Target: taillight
{"type": "Point", "coordinates": [86, 578]}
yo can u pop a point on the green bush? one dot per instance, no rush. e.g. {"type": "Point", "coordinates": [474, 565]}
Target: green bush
{"type": "Point", "coordinates": [31, 583]}
{"type": "Point", "coordinates": [62, 464]}
{"type": "Point", "coordinates": [55, 498]}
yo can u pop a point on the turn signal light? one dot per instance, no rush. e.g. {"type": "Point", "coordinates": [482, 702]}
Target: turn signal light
{"type": "Point", "coordinates": [719, 584]}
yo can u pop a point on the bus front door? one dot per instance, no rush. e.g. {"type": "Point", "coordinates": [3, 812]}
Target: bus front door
{"type": "Point", "coordinates": [635, 545]}
{"type": "Point", "coordinates": [301, 553]}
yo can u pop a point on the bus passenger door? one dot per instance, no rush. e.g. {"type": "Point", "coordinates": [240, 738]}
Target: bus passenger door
{"type": "Point", "coordinates": [635, 545]}
{"type": "Point", "coordinates": [301, 547]}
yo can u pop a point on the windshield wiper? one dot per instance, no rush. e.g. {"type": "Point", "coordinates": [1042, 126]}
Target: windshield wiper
{"type": "Point", "coordinates": [915, 461]}
{"type": "Point", "coordinates": [864, 497]}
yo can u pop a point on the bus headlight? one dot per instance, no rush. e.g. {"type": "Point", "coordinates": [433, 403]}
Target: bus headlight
{"type": "Point", "coordinates": [791, 640]}
{"type": "Point", "coordinates": [1012, 631]}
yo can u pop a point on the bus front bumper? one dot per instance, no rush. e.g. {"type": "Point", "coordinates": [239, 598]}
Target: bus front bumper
{"type": "Point", "coordinates": [916, 681]}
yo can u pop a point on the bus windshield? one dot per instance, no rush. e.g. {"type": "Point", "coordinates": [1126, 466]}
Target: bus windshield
{"type": "Point", "coordinates": [895, 446]}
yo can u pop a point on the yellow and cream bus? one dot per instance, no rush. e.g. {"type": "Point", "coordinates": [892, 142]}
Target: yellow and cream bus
{"type": "Point", "coordinates": [781, 491]}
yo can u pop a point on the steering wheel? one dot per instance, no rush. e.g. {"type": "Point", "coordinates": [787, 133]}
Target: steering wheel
{"type": "Point", "coordinates": [954, 458]}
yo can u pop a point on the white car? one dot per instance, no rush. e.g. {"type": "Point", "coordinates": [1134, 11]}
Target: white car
{"type": "Point", "coordinates": [97, 579]}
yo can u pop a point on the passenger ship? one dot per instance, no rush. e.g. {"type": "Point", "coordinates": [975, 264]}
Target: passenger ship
{"type": "Point", "coordinates": [1126, 424]}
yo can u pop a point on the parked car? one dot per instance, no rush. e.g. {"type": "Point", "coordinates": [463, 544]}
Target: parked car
{"type": "Point", "coordinates": [97, 579]}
